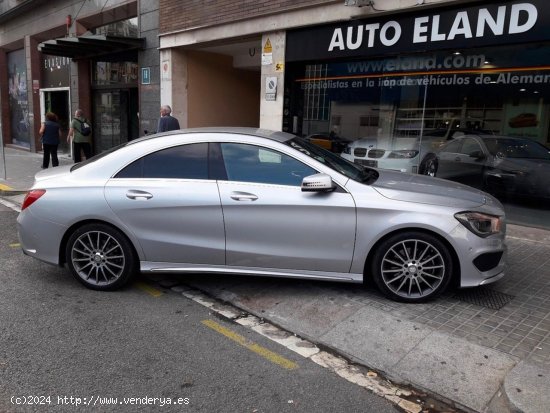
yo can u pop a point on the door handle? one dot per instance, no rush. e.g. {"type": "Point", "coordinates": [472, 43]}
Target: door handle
{"type": "Point", "coordinates": [457, 159]}
{"type": "Point", "coordinates": [243, 196]}
{"type": "Point", "coordinates": [137, 195]}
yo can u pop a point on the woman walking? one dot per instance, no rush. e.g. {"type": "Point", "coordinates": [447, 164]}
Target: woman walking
{"type": "Point", "coordinates": [50, 132]}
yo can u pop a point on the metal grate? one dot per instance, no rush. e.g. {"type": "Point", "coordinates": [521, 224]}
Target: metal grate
{"type": "Point", "coordinates": [484, 297]}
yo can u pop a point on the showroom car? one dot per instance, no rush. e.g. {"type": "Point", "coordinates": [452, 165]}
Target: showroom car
{"type": "Point", "coordinates": [400, 154]}
{"type": "Point", "coordinates": [331, 142]}
{"type": "Point", "coordinates": [502, 165]}
{"type": "Point", "coordinates": [256, 202]}
{"type": "Point", "coordinates": [403, 154]}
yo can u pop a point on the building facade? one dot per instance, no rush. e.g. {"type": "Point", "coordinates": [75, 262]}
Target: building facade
{"type": "Point", "coordinates": [62, 55]}
{"type": "Point", "coordinates": [395, 80]}
{"type": "Point", "coordinates": [397, 84]}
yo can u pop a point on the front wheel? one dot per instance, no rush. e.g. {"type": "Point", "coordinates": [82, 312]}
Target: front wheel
{"type": "Point", "coordinates": [430, 168]}
{"type": "Point", "coordinates": [412, 267]}
{"type": "Point", "coordinates": [100, 257]}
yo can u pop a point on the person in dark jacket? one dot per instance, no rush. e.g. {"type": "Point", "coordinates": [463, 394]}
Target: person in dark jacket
{"type": "Point", "coordinates": [50, 132]}
{"type": "Point", "coordinates": [167, 121]}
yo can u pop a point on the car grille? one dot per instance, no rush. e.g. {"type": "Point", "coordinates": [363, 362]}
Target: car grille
{"type": "Point", "coordinates": [376, 153]}
{"type": "Point", "coordinates": [362, 152]}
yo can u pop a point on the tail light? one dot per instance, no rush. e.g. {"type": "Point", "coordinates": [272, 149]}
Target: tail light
{"type": "Point", "coordinates": [31, 197]}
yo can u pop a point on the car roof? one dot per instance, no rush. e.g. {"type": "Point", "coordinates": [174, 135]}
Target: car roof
{"type": "Point", "coordinates": [262, 133]}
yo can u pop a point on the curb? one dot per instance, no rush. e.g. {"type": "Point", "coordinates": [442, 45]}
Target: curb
{"type": "Point", "coordinates": [12, 192]}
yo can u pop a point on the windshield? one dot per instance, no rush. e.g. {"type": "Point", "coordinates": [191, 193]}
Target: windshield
{"type": "Point", "coordinates": [517, 148]}
{"type": "Point", "coordinates": [356, 172]}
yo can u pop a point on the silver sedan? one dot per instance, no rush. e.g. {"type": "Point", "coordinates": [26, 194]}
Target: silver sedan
{"type": "Point", "coordinates": [250, 201]}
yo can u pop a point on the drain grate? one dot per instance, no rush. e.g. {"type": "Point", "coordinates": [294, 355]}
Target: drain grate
{"type": "Point", "coordinates": [484, 297]}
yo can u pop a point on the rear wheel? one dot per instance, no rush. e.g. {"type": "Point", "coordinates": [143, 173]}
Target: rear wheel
{"type": "Point", "coordinates": [100, 257]}
{"type": "Point", "coordinates": [412, 267]}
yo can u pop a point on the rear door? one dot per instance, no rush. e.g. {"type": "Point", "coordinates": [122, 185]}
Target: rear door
{"type": "Point", "coordinates": [168, 201]}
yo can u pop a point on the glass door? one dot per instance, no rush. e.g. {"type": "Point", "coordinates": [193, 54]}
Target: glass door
{"type": "Point", "coordinates": [114, 117]}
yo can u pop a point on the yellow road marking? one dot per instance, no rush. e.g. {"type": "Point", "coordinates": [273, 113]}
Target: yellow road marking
{"type": "Point", "coordinates": [16, 245]}
{"type": "Point", "coordinates": [148, 289]}
{"type": "Point", "coordinates": [262, 351]}
{"type": "Point", "coordinates": [5, 187]}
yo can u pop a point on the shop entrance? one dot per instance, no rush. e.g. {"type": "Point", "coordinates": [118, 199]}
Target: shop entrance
{"type": "Point", "coordinates": [56, 100]}
{"type": "Point", "coordinates": [114, 117]}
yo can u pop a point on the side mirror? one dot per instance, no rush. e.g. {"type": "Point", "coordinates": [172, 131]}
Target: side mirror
{"type": "Point", "coordinates": [318, 183]}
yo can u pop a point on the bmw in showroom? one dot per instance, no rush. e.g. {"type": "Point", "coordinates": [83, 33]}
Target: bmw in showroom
{"type": "Point", "coordinates": [257, 202]}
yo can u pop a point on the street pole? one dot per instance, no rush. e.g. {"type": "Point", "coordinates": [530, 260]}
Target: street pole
{"type": "Point", "coordinates": [3, 169]}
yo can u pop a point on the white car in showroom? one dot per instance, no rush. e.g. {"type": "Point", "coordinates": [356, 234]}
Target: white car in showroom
{"type": "Point", "coordinates": [408, 154]}
{"type": "Point", "coordinates": [401, 155]}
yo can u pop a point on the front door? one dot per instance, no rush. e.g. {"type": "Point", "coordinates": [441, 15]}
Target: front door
{"type": "Point", "coordinates": [114, 119]}
{"type": "Point", "coordinates": [271, 223]}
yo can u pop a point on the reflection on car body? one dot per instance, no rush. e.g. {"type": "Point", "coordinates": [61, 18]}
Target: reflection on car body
{"type": "Point", "coordinates": [250, 201]}
{"type": "Point", "coordinates": [499, 164]}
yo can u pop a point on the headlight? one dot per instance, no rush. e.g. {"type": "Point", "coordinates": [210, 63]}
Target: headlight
{"type": "Point", "coordinates": [480, 224]}
{"type": "Point", "coordinates": [347, 150]}
{"type": "Point", "coordinates": [403, 154]}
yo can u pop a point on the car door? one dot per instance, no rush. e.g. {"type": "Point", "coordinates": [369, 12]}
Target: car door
{"type": "Point", "coordinates": [472, 161]}
{"type": "Point", "coordinates": [169, 203]}
{"type": "Point", "coordinates": [270, 223]}
{"type": "Point", "coordinates": [448, 160]}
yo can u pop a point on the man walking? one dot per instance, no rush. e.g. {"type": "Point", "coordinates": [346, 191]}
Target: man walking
{"type": "Point", "coordinates": [167, 121]}
{"type": "Point", "coordinates": [80, 133]}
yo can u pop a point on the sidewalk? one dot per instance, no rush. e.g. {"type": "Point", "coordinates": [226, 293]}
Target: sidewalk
{"type": "Point", "coordinates": [483, 350]}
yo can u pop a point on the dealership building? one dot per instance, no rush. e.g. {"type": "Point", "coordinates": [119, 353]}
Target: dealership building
{"type": "Point", "coordinates": [393, 74]}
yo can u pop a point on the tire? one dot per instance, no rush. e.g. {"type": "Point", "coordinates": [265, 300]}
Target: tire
{"type": "Point", "coordinates": [100, 257]}
{"type": "Point", "coordinates": [430, 166]}
{"type": "Point", "coordinates": [422, 165]}
{"type": "Point", "coordinates": [412, 267]}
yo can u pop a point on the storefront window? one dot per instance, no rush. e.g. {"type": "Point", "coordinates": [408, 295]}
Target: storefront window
{"type": "Point", "coordinates": [115, 73]}
{"type": "Point", "coordinates": [18, 99]}
{"type": "Point", "coordinates": [413, 113]}
{"type": "Point", "coordinates": [124, 28]}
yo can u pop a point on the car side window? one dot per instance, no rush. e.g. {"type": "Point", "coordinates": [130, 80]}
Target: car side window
{"type": "Point", "coordinates": [453, 147]}
{"type": "Point", "coordinates": [250, 163]}
{"type": "Point", "coordinates": [470, 146]}
{"type": "Point", "coordinates": [179, 162]}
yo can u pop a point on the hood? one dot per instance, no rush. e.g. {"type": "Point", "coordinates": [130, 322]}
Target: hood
{"type": "Point", "coordinates": [427, 190]}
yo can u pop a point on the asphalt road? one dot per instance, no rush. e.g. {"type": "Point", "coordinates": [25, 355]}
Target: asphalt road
{"type": "Point", "coordinates": [62, 344]}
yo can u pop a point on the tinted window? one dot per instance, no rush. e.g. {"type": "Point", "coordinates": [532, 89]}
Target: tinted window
{"type": "Point", "coordinates": [516, 148]}
{"type": "Point", "coordinates": [179, 162]}
{"type": "Point", "coordinates": [470, 146]}
{"type": "Point", "coordinates": [453, 147]}
{"type": "Point", "coordinates": [249, 163]}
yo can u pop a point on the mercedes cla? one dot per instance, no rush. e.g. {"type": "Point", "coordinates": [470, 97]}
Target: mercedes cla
{"type": "Point", "coordinates": [257, 202]}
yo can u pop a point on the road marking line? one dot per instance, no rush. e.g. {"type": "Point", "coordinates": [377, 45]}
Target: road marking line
{"type": "Point", "coordinates": [10, 205]}
{"type": "Point", "coordinates": [262, 351]}
{"type": "Point", "coordinates": [148, 289]}
{"type": "Point", "coordinates": [369, 380]}
{"type": "Point", "coordinates": [15, 245]}
{"type": "Point", "coordinates": [5, 187]}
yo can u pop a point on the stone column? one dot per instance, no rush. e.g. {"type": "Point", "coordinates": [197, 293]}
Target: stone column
{"type": "Point", "coordinates": [273, 60]}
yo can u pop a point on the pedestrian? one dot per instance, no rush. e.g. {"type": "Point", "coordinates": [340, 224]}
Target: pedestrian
{"type": "Point", "coordinates": [80, 133]}
{"type": "Point", "coordinates": [50, 132]}
{"type": "Point", "coordinates": [167, 121]}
